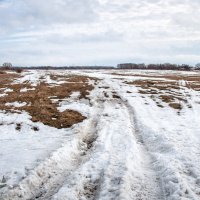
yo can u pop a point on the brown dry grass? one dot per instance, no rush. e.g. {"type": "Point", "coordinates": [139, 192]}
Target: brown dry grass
{"type": "Point", "coordinates": [155, 84]}
{"type": "Point", "coordinates": [7, 79]}
{"type": "Point", "coordinates": [39, 103]}
{"type": "Point", "coordinates": [167, 76]}
{"type": "Point", "coordinates": [167, 91]}
{"type": "Point", "coordinates": [72, 78]}
{"type": "Point", "coordinates": [192, 81]}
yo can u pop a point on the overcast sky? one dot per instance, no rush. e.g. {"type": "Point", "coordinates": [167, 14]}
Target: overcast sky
{"type": "Point", "coordinates": [99, 32]}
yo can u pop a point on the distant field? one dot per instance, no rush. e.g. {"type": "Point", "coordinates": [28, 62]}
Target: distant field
{"type": "Point", "coordinates": [100, 134]}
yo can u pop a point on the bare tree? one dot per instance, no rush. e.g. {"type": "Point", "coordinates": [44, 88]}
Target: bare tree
{"type": "Point", "coordinates": [7, 65]}
{"type": "Point", "coordinates": [197, 67]}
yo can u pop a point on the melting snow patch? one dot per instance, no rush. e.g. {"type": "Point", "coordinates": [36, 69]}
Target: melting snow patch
{"type": "Point", "coordinates": [73, 103]}
{"type": "Point", "coordinates": [3, 95]}
{"type": "Point", "coordinates": [26, 89]}
{"type": "Point", "coordinates": [16, 104]}
{"type": "Point", "coordinates": [22, 150]}
{"type": "Point", "coordinates": [75, 95]}
{"type": "Point", "coordinates": [8, 90]}
{"type": "Point", "coordinates": [83, 108]}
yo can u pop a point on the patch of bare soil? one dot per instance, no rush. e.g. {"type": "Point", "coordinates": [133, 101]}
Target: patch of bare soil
{"type": "Point", "coordinates": [40, 106]}
{"type": "Point", "coordinates": [106, 94]}
{"type": "Point", "coordinates": [175, 106]}
{"type": "Point", "coordinates": [115, 96]}
{"type": "Point", "coordinates": [104, 87]}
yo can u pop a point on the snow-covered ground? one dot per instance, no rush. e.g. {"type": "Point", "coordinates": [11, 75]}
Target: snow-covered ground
{"type": "Point", "coordinates": [127, 148]}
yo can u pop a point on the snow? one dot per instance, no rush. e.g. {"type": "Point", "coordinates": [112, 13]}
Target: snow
{"type": "Point", "coordinates": [3, 95]}
{"type": "Point", "coordinates": [127, 148]}
{"type": "Point", "coordinates": [26, 89]}
{"type": "Point", "coordinates": [32, 77]}
{"type": "Point", "coordinates": [172, 139]}
{"type": "Point", "coordinates": [115, 162]}
{"type": "Point", "coordinates": [23, 149]}
{"type": "Point", "coordinates": [76, 104]}
{"type": "Point", "coordinates": [16, 104]}
{"type": "Point", "coordinates": [83, 108]}
{"type": "Point", "coordinates": [8, 90]}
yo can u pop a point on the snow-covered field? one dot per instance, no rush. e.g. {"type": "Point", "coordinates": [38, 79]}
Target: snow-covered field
{"type": "Point", "coordinates": [134, 135]}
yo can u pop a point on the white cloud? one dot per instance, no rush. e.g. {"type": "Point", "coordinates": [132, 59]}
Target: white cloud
{"type": "Point", "coordinates": [65, 32]}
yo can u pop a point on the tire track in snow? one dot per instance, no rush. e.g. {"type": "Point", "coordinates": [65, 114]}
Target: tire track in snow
{"type": "Point", "coordinates": [151, 177]}
{"type": "Point", "coordinates": [115, 169]}
{"type": "Point", "coordinates": [180, 180]}
{"type": "Point", "coordinates": [108, 161]}
{"type": "Point", "coordinates": [87, 143]}
{"type": "Point", "coordinates": [46, 179]}
{"type": "Point", "coordinates": [152, 181]}
{"type": "Point", "coordinates": [178, 177]}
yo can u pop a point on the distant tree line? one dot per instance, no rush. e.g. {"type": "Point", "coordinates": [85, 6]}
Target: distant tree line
{"type": "Point", "coordinates": [165, 66]}
{"type": "Point", "coordinates": [68, 67]}
{"type": "Point", "coordinates": [8, 66]}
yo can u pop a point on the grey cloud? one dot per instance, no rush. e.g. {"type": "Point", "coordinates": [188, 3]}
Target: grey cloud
{"type": "Point", "coordinates": [27, 14]}
{"type": "Point", "coordinates": [94, 31]}
{"type": "Point", "coordinates": [108, 36]}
